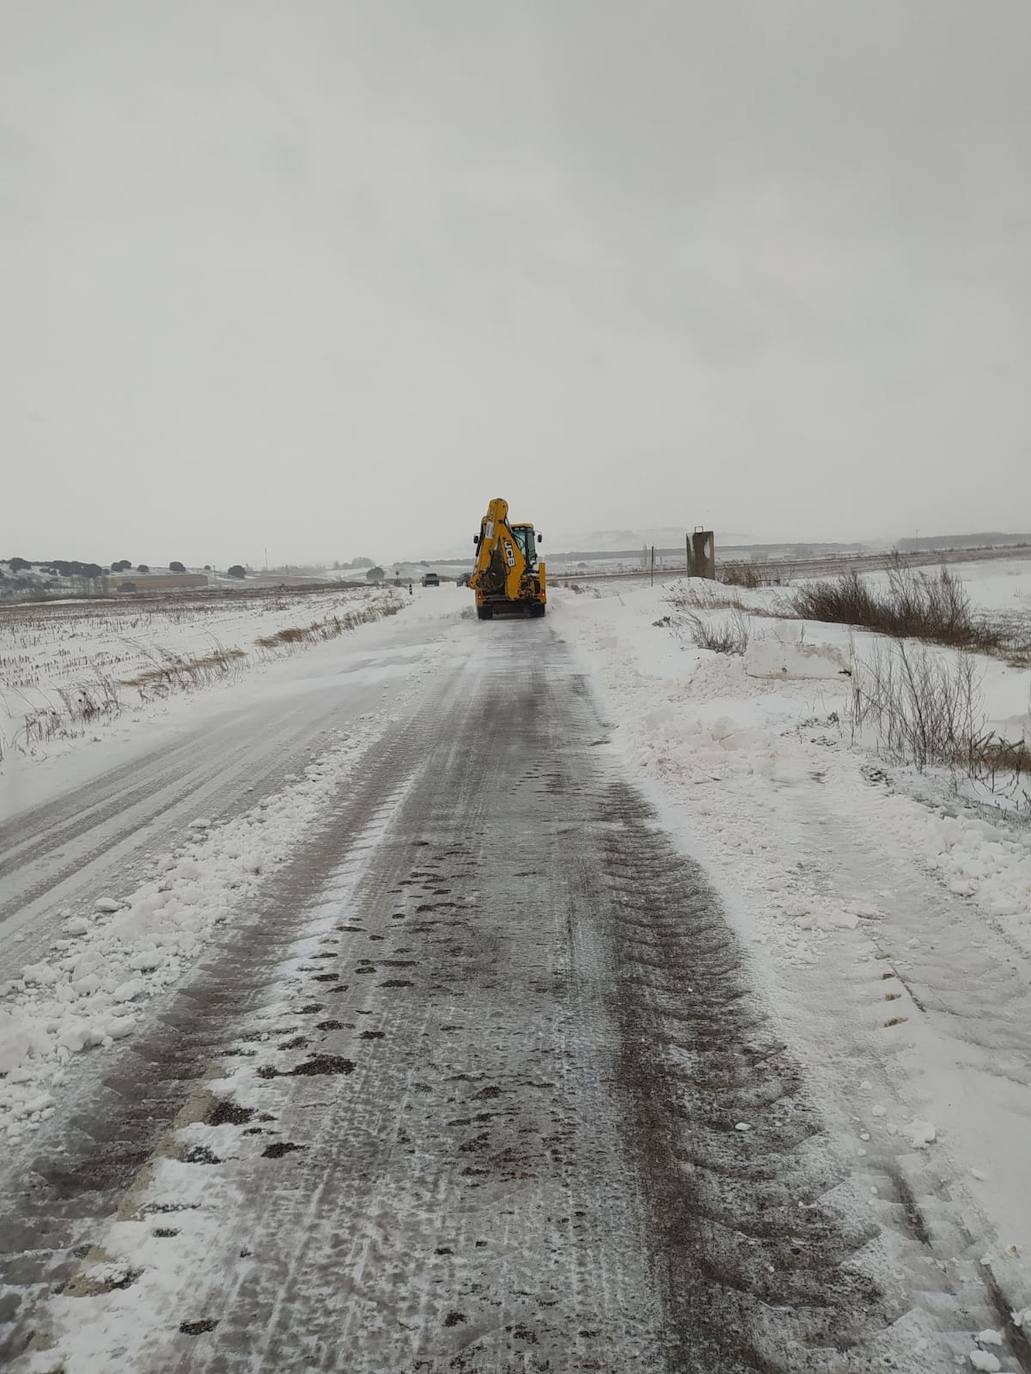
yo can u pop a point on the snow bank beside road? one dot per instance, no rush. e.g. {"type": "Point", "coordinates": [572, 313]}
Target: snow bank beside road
{"type": "Point", "coordinates": [786, 657]}
{"type": "Point", "coordinates": [889, 920]}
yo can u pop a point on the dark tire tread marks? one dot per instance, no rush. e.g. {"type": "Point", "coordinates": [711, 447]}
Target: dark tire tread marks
{"type": "Point", "coordinates": [760, 1271]}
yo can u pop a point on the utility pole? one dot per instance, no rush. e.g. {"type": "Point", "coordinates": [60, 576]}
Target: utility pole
{"type": "Point", "coordinates": [653, 566]}
{"type": "Point", "coordinates": [687, 554]}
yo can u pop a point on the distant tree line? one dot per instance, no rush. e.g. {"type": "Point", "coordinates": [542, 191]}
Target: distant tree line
{"type": "Point", "coordinates": [72, 567]}
{"type": "Point", "coordinates": [60, 567]}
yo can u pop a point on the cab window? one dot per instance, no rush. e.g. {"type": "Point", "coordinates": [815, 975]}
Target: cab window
{"type": "Point", "coordinates": [524, 538]}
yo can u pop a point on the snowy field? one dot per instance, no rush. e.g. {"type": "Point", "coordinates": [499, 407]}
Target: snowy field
{"type": "Point", "coordinates": [70, 670]}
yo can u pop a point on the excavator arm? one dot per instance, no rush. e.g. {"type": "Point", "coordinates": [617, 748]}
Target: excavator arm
{"type": "Point", "coordinates": [500, 562]}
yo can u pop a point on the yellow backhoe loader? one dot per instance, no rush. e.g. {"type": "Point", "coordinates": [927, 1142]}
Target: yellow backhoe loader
{"type": "Point", "coordinates": [507, 579]}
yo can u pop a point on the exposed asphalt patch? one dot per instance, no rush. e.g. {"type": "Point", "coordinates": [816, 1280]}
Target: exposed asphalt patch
{"type": "Point", "coordinates": [229, 1114]}
{"type": "Point", "coordinates": [200, 1154]}
{"type": "Point", "coordinates": [321, 1064]}
{"type": "Point", "coordinates": [281, 1148]}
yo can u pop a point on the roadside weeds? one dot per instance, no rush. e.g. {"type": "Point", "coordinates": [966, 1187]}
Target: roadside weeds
{"type": "Point", "coordinates": [69, 712]}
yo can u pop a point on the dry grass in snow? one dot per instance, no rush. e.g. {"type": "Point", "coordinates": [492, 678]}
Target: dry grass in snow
{"type": "Point", "coordinates": [932, 607]}
{"type": "Point", "coordinates": [925, 708]}
{"type": "Point", "coordinates": [66, 667]}
{"type": "Point", "coordinates": [728, 634]}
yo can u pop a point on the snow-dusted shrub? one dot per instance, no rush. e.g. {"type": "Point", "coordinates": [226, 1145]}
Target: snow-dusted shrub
{"type": "Point", "coordinates": [183, 672]}
{"type": "Point", "coordinates": [745, 574]}
{"type": "Point", "coordinates": [933, 607]}
{"type": "Point", "coordinates": [925, 708]}
{"type": "Point", "coordinates": [727, 635]}
{"type": "Point", "coordinates": [293, 635]}
{"type": "Point", "coordinates": [82, 703]}
{"type": "Point", "coordinates": [699, 594]}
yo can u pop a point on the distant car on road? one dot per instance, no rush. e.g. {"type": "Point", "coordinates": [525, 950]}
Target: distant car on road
{"type": "Point", "coordinates": [462, 580]}
{"type": "Point", "coordinates": [430, 580]}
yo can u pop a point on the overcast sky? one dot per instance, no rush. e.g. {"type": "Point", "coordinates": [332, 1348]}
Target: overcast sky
{"type": "Point", "coordinates": [323, 277]}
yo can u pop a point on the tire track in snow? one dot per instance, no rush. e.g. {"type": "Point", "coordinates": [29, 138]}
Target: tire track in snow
{"type": "Point", "coordinates": [507, 1113]}
{"type": "Point", "coordinates": [760, 1265]}
{"type": "Point", "coordinates": [95, 1152]}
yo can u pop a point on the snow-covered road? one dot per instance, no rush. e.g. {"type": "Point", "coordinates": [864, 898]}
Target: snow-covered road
{"type": "Point", "coordinates": [414, 1040]}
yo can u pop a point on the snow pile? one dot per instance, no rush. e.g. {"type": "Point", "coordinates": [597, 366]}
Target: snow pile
{"type": "Point", "coordinates": [785, 655]}
{"type": "Point", "coordinates": [69, 670]}
{"type": "Point", "coordinates": [920, 1134]}
{"type": "Point", "coordinates": [110, 959]}
{"type": "Point", "coordinates": [985, 1361]}
{"type": "Point", "coordinates": [978, 859]}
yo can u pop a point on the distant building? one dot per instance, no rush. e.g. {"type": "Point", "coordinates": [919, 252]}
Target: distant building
{"type": "Point", "coordinates": [153, 582]}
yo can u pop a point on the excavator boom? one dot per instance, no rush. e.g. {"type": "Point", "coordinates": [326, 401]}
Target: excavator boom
{"type": "Point", "coordinates": [508, 577]}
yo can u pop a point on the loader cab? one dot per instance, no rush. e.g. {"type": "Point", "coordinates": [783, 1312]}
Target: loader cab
{"type": "Point", "coordinates": [524, 537]}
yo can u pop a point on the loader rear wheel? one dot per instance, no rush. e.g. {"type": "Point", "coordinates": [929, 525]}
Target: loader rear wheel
{"type": "Point", "coordinates": [485, 612]}
{"type": "Point", "coordinates": [537, 611]}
